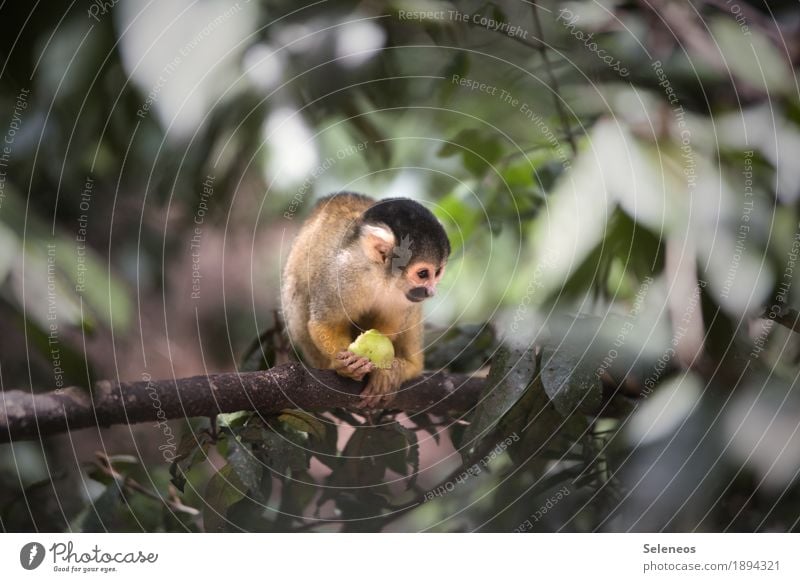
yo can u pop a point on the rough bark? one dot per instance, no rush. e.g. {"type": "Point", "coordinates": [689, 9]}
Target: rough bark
{"type": "Point", "coordinates": [27, 415]}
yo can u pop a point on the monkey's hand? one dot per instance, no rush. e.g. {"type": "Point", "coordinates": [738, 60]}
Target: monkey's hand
{"type": "Point", "coordinates": [382, 386]}
{"type": "Point", "coordinates": [349, 365]}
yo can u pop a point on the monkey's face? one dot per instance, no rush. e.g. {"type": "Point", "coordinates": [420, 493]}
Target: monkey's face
{"type": "Point", "coordinates": [412, 256]}
{"type": "Point", "coordinates": [419, 280]}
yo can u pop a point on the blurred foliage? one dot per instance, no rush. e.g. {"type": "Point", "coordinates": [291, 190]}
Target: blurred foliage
{"type": "Point", "coordinates": [619, 244]}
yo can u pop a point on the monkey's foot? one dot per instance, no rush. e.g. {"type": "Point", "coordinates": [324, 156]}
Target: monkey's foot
{"type": "Point", "coordinates": [349, 365]}
{"type": "Point", "coordinates": [380, 390]}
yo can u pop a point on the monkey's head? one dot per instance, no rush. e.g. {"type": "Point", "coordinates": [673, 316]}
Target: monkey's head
{"type": "Point", "coordinates": [407, 244]}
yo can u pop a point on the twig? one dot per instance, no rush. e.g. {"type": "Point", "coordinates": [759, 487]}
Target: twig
{"type": "Point", "coordinates": [103, 464]}
{"type": "Point", "coordinates": [542, 48]}
{"type": "Point", "coordinates": [785, 316]}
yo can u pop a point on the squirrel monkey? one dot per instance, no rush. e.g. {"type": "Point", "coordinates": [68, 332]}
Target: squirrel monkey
{"type": "Point", "coordinates": [359, 264]}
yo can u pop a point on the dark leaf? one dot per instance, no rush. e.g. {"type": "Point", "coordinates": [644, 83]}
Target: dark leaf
{"type": "Point", "coordinates": [393, 444]}
{"type": "Point", "coordinates": [297, 494]}
{"type": "Point", "coordinates": [570, 380]}
{"type": "Point", "coordinates": [247, 514]}
{"type": "Point", "coordinates": [457, 432]}
{"type": "Point", "coordinates": [427, 423]}
{"type": "Point", "coordinates": [364, 465]}
{"type": "Point", "coordinates": [412, 457]}
{"type": "Point", "coordinates": [357, 506]}
{"type": "Point", "coordinates": [461, 348]}
{"type": "Point", "coordinates": [346, 417]}
{"type": "Point", "coordinates": [513, 369]}
{"type": "Point", "coordinates": [547, 173]}
{"type": "Point", "coordinates": [247, 467]}
{"type": "Point", "coordinates": [284, 449]}
{"type": "Point", "coordinates": [267, 350]}
{"type": "Point", "coordinates": [223, 490]}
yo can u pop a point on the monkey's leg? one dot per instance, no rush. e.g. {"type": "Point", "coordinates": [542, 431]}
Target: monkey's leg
{"type": "Point", "coordinates": [384, 383]}
{"type": "Point", "coordinates": [332, 341]}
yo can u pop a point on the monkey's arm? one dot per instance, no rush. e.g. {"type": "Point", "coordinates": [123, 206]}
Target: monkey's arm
{"type": "Point", "coordinates": [331, 340]}
{"type": "Point", "coordinates": [408, 363]}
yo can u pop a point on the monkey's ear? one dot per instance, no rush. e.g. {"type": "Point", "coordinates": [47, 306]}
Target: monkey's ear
{"type": "Point", "coordinates": [377, 240]}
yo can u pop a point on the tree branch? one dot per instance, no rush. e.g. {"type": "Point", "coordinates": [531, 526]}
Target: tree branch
{"type": "Point", "coordinates": [25, 415]}
{"type": "Point", "coordinates": [785, 316]}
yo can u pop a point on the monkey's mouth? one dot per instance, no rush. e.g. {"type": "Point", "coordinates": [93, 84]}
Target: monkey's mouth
{"type": "Point", "coordinates": [414, 298]}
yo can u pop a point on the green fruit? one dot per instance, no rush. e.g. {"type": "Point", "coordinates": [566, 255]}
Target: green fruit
{"type": "Point", "coordinates": [374, 346]}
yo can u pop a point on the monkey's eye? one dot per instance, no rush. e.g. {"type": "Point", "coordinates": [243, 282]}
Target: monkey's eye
{"type": "Point", "coordinates": [438, 271]}
{"type": "Point", "coordinates": [423, 273]}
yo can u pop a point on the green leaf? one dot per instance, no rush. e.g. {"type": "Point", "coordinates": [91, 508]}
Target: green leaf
{"type": "Point", "coordinates": [100, 515]}
{"type": "Point", "coordinates": [478, 149]}
{"type": "Point", "coordinates": [460, 208]}
{"type": "Point", "coordinates": [9, 249]}
{"type": "Point", "coordinates": [640, 252]}
{"type": "Point", "coordinates": [248, 515]}
{"type": "Point", "coordinates": [41, 287]}
{"type": "Point", "coordinates": [498, 14]}
{"type": "Point", "coordinates": [73, 363]}
{"type": "Point", "coordinates": [547, 173]}
{"type": "Point", "coordinates": [233, 419]}
{"type": "Point", "coordinates": [115, 460]}
{"type": "Point", "coordinates": [223, 490]}
{"type": "Point", "coordinates": [570, 380]}
{"type": "Point", "coordinates": [104, 296]}
{"type": "Point", "coordinates": [325, 449]}
{"type": "Point", "coordinates": [192, 446]}
{"type": "Point", "coordinates": [303, 422]}
{"type": "Point", "coordinates": [458, 66]}
{"type": "Point", "coordinates": [752, 57]}
{"type": "Point", "coordinates": [513, 370]}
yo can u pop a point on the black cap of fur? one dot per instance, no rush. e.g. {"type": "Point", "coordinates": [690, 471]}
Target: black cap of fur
{"type": "Point", "coordinates": [407, 218]}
